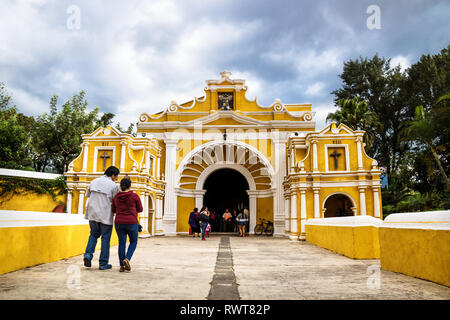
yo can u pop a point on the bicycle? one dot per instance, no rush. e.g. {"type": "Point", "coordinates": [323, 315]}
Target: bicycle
{"type": "Point", "coordinates": [264, 227]}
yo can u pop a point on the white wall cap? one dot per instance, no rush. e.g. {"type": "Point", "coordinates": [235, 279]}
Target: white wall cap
{"type": "Point", "coordinates": [14, 219]}
{"type": "Point", "coordinates": [419, 220]}
{"type": "Point", "coordinates": [28, 174]}
{"type": "Point", "coordinates": [353, 221]}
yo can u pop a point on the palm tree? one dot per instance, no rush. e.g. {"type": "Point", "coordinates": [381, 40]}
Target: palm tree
{"type": "Point", "coordinates": [423, 129]}
{"type": "Point", "coordinates": [355, 113]}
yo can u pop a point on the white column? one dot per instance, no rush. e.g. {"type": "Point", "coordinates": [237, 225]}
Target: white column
{"type": "Point", "coordinates": [159, 216]}
{"type": "Point", "coordinates": [287, 209]}
{"type": "Point", "coordinates": [315, 161]}
{"type": "Point", "coordinates": [359, 152]}
{"type": "Point", "coordinates": [316, 203]}
{"type": "Point", "coordinates": [280, 172]}
{"type": "Point", "coordinates": [302, 213]}
{"type": "Point", "coordinates": [294, 230]}
{"type": "Point", "coordinates": [144, 216]}
{"type": "Point", "coordinates": [252, 212]}
{"type": "Point", "coordinates": [199, 194]}
{"type": "Point", "coordinates": [81, 202]}
{"type": "Point", "coordinates": [376, 203]}
{"type": "Point", "coordinates": [147, 161]}
{"type": "Point", "coordinates": [170, 197]}
{"type": "Point", "coordinates": [159, 167]}
{"type": "Point", "coordinates": [85, 156]}
{"type": "Point", "coordinates": [362, 201]}
{"type": "Point", "coordinates": [69, 201]}
{"type": "Point", "coordinates": [122, 155]}
{"type": "Point", "coordinates": [292, 160]}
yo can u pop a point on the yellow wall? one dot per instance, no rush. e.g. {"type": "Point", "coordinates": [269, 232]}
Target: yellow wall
{"type": "Point", "coordinates": [354, 242]}
{"type": "Point", "coordinates": [184, 208]}
{"type": "Point", "coordinates": [32, 202]}
{"type": "Point", "coordinates": [421, 253]}
{"type": "Point", "coordinates": [264, 208]}
{"type": "Point", "coordinates": [23, 247]}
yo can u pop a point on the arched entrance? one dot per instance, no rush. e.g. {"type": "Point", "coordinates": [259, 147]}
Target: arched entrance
{"type": "Point", "coordinates": [338, 205]}
{"type": "Point", "coordinates": [225, 189]}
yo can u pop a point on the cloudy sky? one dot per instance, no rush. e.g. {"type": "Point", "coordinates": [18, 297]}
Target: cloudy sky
{"type": "Point", "coordinates": [136, 56]}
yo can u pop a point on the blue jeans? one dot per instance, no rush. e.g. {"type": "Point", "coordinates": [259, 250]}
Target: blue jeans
{"type": "Point", "coordinates": [99, 229]}
{"type": "Point", "coordinates": [203, 226]}
{"type": "Point", "coordinates": [122, 231]}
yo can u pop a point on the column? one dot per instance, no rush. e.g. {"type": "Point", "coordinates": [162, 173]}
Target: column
{"type": "Point", "coordinates": [123, 155]}
{"type": "Point", "coordinates": [302, 213]}
{"type": "Point", "coordinates": [199, 194]}
{"type": "Point", "coordinates": [147, 161]}
{"type": "Point", "coordinates": [170, 196]}
{"type": "Point", "coordinates": [359, 151]}
{"type": "Point", "coordinates": [292, 160]}
{"type": "Point", "coordinates": [293, 219]}
{"type": "Point", "coordinates": [69, 201]}
{"type": "Point", "coordinates": [315, 160]}
{"type": "Point", "coordinates": [144, 216]}
{"type": "Point", "coordinates": [316, 203]}
{"type": "Point", "coordinates": [362, 201]}
{"type": "Point", "coordinates": [252, 210]}
{"type": "Point", "coordinates": [159, 216]}
{"type": "Point", "coordinates": [376, 203]}
{"type": "Point", "coordinates": [81, 201]}
{"type": "Point", "coordinates": [159, 166]}
{"type": "Point", "coordinates": [280, 171]}
{"type": "Point", "coordinates": [287, 210]}
{"type": "Point", "coordinates": [85, 157]}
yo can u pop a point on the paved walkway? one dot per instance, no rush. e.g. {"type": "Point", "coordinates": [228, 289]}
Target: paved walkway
{"type": "Point", "coordinates": [222, 267]}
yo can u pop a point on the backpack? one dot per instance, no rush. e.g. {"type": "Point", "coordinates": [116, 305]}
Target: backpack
{"type": "Point", "coordinates": [203, 217]}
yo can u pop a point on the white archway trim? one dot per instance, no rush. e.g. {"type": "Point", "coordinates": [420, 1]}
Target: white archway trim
{"type": "Point", "coordinates": [184, 163]}
{"type": "Point", "coordinates": [354, 208]}
{"type": "Point", "coordinates": [217, 166]}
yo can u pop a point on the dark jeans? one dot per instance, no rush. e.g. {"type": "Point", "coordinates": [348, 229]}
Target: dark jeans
{"type": "Point", "coordinates": [203, 226]}
{"type": "Point", "coordinates": [99, 229]}
{"type": "Point", "coordinates": [122, 231]}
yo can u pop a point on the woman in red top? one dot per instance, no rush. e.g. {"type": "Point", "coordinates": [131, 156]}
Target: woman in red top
{"type": "Point", "coordinates": [126, 205]}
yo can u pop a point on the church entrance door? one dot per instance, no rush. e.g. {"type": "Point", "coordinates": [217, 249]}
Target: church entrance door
{"type": "Point", "coordinates": [338, 205]}
{"type": "Point", "coordinates": [225, 189]}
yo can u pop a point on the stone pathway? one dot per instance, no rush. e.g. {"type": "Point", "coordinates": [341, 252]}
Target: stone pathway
{"type": "Point", "coordinates": [185, 268]}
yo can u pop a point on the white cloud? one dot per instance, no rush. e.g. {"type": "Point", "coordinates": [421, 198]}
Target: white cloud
{"type": "Point", "coordinates": [315, 89]}
{"type": "Point", "coordinates": [400, 60]}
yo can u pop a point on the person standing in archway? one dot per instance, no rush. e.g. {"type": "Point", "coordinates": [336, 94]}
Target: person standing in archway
{"type": "Point", "coordinates": [193, 222]}
{"type": "Point", "coordinates": [204, 220]}
{"type": "Point", "coordinates": [226, 220]}
{"type": "Point", "coordinates": [242, 220]}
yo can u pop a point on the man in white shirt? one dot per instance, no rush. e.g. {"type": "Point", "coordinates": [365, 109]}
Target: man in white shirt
{"type": "Point", "coordinates": [101, 192]}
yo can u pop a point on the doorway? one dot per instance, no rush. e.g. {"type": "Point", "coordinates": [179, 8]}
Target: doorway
{"type": "Point", "coordinates": [225, 189]}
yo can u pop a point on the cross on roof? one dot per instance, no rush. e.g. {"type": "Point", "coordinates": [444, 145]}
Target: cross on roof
{"type": "Point", "coordinates": [104, 156]}
{"type": "Point", "coordinates": [335, 155]}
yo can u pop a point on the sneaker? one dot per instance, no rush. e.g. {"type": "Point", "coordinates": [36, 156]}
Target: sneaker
{"type": "Point", "coordinates": [126, 264]}
{"type": "Point", "coordinates": [203, 239]}
{"type": "Point", "coordinates": [122, 269]}
{"type": "Point", "coordinates": [105, 267]}
{"type": "Point", "coordinates": [87, 262]}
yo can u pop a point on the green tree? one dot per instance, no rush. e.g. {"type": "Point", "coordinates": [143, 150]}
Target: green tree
{"type": "Point", "coordinates": [60, 130]}
{"type": "Point", "coordinates": [374, 81]}
{"type": "Point", "coordinates": [424, 130]}
{"type": "Point", "coordinates": [13, 137]}
{"type": "Point", "coordinates": [355, 113]}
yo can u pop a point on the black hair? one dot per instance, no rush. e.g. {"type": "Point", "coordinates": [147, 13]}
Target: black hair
{"type": "Point", "coordinates": [195, 209]}
{"type": "Point", "coordinates": [125, 184]}
{"type": "Point", "coordinates": [112, 171]}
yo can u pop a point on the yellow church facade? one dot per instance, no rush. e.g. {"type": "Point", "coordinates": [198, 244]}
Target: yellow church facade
{"type": "Point", "coordinates": [225, 151]}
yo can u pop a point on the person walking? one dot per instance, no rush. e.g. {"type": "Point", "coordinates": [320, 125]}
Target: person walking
{"type": "Point", "coordinates": [193, 222]}
{"type": "Point", "coordinates": [126, 205]}
{"type": "Point", "coordinates": [226, 220]}
{"type": "Point", "coordinates": [100, 194]}
{"type": "Point", "coordinates": [204, 220]}
{"type": "Point", "coordinates": [242, 220]}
